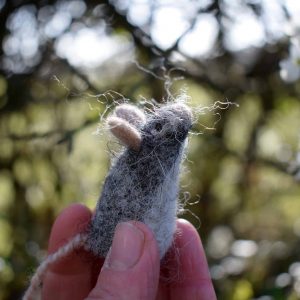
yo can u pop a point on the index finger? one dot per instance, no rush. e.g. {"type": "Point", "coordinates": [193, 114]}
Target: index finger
{"type": "Point", "coordinates": [72, 276]}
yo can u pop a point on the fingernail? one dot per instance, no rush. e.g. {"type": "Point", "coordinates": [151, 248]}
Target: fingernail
{"type": "Point", "coordinates": [126, 248]}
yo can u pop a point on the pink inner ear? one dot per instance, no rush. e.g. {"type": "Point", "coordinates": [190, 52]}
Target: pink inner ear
{"type": "Point", "coordinates": [131, 114]}
{"type": "Point", "coordinates": [125, 132]}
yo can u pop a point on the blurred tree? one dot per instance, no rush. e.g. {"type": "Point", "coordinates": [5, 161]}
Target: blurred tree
{"type": "Point", "coordinates": [64, 63]}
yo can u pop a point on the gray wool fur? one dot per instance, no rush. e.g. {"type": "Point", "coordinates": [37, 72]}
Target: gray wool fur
{"type": "Point", "coordinates": [142, 184]}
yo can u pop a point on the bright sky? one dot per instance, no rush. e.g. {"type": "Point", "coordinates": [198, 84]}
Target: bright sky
{"type": "Point", "coordinates": [90, 47]}
{"type": "Point", "coordinates": [171, 19]}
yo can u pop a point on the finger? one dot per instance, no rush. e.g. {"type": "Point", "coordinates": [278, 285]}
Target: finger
{"type": "Point", "coordinates": [192, 278]}
{"type": "Point", "coordinates": [131, 269]}
{"type": "Point", "coordinates": [71, 277]}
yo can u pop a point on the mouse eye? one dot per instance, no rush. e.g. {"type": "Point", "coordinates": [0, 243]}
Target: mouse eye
{"type": "Point", "coordinates": [169, 135]}
{"type": "Point", "coordinates": [158, 127]}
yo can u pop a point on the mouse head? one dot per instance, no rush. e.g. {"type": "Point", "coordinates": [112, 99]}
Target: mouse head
{"type": "Point", "coordinates": [168, 124]}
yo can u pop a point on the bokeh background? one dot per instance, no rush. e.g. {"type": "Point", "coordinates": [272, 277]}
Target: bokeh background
{"type": "Point", "coordinates": [63, 65]}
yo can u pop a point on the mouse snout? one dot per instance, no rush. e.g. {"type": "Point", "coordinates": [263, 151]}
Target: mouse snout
{"type": "Point", "coordinates": [182, 111]}
{"type": "Point", "coordinates": [181, 116]}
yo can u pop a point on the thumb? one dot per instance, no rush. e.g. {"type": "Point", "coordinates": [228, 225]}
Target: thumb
{"type": "Point", "coordinates": [131, 268]}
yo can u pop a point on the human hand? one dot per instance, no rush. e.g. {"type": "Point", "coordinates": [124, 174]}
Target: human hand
{"type": "Point", "coordinates": [132, 269]}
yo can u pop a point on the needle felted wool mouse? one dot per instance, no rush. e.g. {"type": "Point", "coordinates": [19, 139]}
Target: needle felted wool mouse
{"type": "Point", "coordinates": [142, 183]}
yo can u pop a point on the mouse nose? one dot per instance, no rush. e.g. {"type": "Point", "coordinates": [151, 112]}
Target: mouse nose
{"type": "Point", "coordinates": [182, 115]}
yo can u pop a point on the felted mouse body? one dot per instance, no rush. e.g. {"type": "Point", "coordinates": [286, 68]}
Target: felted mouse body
{"type": "Point", "coordinates": [142, 184]}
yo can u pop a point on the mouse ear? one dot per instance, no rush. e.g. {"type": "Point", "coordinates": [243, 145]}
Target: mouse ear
{"type": "Point", "coordinates": [131, 114]}
{"type": "Point", "coordinates": [125, 132]}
